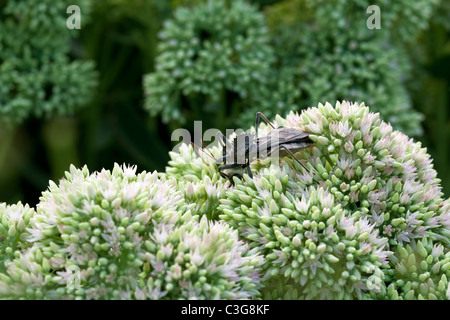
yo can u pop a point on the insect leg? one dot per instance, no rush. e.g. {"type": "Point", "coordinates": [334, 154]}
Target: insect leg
{"type": "Point", "coordinates": [228, 166]}
{"type": "Point", "coordinates": [247, 154]}
{"type": "Point", "coordinates": [289, 151]}
{"type": "Point", "coordinates": [205, 147]}
{"type": "Point", "coordinates": [260, 114]}
{"type": "Point", "coordinates": [249, 172]}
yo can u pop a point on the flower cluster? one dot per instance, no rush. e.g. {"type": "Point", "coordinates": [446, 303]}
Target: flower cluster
{"type": "Point", "coordinates": [208, 50]}
{"type": "Point", "coordinates": [307, 238]}
{"type": "Point", "coordinates": [122, 235]}
{"type": "Point", "coordinates": [366, 220]}
{"type": "Point", "coordinates": [14, 221]}
{"type": "Point", "coordinates": [374, 186]}
{"type": "Point", "coordinates": [419, 270]}
{"type": "Point", "coordinates": [37, 78]}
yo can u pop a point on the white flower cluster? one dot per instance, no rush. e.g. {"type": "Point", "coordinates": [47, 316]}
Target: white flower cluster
{"type": "Point", "coordinates": [125, 236]}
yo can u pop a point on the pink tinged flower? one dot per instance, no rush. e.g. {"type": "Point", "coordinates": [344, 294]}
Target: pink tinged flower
{"type": "Point", "coordinates": [312, 265]}
{"type": "Point", "coordinates": [156, 294]}
{"type": "Point", "coordinates": [293, 120]}
{"type": "Point", "coordinates": [437, 250]}
{"type": "Point", "coordinates": [382, 144]}
{"type": "Point", "coordinates": [167, 250]}
{"type": "Point", "coordinates": [354, 196]}
{"type": "Point", "coordinates": [312, 235]}
{"type": "Point", "coordinates": [429, 177]}
{"type": "Point", "coordinates": [369, 158]}
{"type": "Point", "coordinates": [322, 184]}
{"type": "Point", "coordinates": [409, 167]}
{"type": "Point", "coordinates": [344, 186]}
{"type": "Point", "coordinates": [110, 193]}
{"type": "Point", "coordinates": [196, 258]}
{"type": "Point", "coordinates": [286, 231]}
{"type": "Point", "coordinates": [263, 241]}
{"type": "Point", "coordinates": [366, 125]}
{"type": "Point", "coordinates": [139, 294]}
{"type": "Point", "coordinates": [281, 257]}
{"type": "Point", "coordinates": [445, 219]}
{"type": "Point", "coordinates": [404, 199]}
{"type": "Point", "coordinates": [349, 173]}
{"type": "Point", "coordinates": [402, 237]}
{"type": "Point", "coordinates": [374, 197]}
{"type": "Point", "coordinates": [365, 226]}
{"type": "Point", "coordinates": [157, 266]}
{"type": "Point", "coordinates": [365, 247]}
{"type": "Point", "coordinates": [411, 218]}
{"type": "Point", "coordinates": [343, 163]}
{"type": "Point", "coordinates": [36, 234]}
{"type": "Point", "coordinates": [343, 129]}
{"type": "Point", "coordinates": [306, 177]}
{"type": "Point", "coordinates": [184, 283]}
{"type": "Point", "coordinates": [326, 199]}
{"type": "Point", "coordinates": [130, 191]}
{"type": "Point", "coordinates": [388, 170]}
{"type": "Point", "coordinates": [411, 187]}
{"type": "Point", "coordinates": [83, 234]}
{"type": "Point", "coordinates": [329, 231]}
{"type": "Point", "coordinates": [129, 172]}
{"type": "Point", "coordinates": [315, 128]}
{"type": "Point", "coordinates": [302, 206]}
{"type": "Point", "coordinates": [383, 255]}
{"type": "Point", "coordinates": [349, 227]}
{"type": "Point", "coordinates": [385, 129]}
{"type": "Point", "coordinates": [377, 218]}
{"type": "Point", "coordinates": [419, 232]}
{"type": "Point", "coordinates": [348, 146]}
{"type": "Point", "coordinates": [388, 230]}
{"type": "Point", "coordinates": [430, 194]}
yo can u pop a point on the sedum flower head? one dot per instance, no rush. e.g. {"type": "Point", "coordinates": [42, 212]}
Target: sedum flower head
{"type": "Point", "coordinates": [375, 171]}
{"type": "Point", "coordinates": [206, 50]}
{"type": "Point", "coordinates": [203, 260]}
{"type": "Point", "coordinates": [122, 235]}
{"type": "Point", "coordinates": [362, 175]}
{"type": "Point", "coordinates": [14, 221]}
{"type": "Point", "coordinates": [308, 239]}
{"type": "Point", "coordinates": [419, 270]}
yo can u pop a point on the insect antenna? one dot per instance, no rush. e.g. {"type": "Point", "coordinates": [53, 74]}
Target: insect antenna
{"type": "Point", "coordinates": [260, 114]}
{"type": "Point", "coordinates": [293, 156]}
{"type": "Point", "coordinates": [207, 149]}
{"type": "Point", "coordinates": [197, 149]}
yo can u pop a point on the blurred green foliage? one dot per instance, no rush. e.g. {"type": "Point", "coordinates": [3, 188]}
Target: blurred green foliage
{"type": "Point", "coordinates": [310, 52]}
{"type": "Point", "coordinates": [37, 75]}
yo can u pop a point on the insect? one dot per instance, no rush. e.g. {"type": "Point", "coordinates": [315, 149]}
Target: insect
{"type": "Point", "coordinates": [237, 156]}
